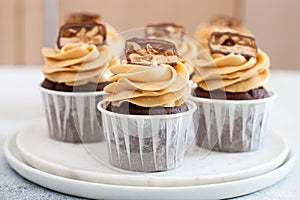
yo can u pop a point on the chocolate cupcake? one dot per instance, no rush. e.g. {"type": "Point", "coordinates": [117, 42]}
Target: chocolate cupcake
{"type": "Point", "coordinates": [76, 73]}
{"type": "Point", "coordinates": [233, 105]}
{"type": "Point", "coordinates": [146, 115]}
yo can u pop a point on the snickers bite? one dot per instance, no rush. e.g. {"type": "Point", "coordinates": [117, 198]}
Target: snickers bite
{"type": "Point", "coordinates": [143, 51]}
{"type": "Point", "coordinates": [227, 42]}
{"type": "Point", "coordinates": [86, 32]}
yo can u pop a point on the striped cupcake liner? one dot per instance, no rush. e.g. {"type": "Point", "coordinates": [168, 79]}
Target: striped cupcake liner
{"type": "Point", "coordinates": [231, 125]}
{"type": "Point", "coordinates": [146, 143]}
{"type": "Point", "coordinates": [73, 116]}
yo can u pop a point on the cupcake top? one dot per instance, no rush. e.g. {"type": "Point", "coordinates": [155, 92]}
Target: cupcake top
{"type": "Point", "coordinates": [81, 55]}
{"type": "Point", "coordinates": [237, 64]}
{"type": "Point", "coordinates": [187, 49]}
{"type": "Point", "coordinates": [150, 76]}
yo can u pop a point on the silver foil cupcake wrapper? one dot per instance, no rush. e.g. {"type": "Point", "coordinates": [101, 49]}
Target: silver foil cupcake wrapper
{"type": "Point", "coordinates": [146, 143]}
{"type": "Point", "coordinates": [73, 117]}
{"type": "Point", "coordinates": [231, 125]}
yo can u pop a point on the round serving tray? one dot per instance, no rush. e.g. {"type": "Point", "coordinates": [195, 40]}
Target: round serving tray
{"type": "Point", "coordinates": [38, 161]}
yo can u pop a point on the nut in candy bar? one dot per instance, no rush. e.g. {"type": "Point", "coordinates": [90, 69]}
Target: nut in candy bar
{"type": "Point", "coordinates": [82, 17]}
{"type": "Point", "coordinates": [227, 42]}
{"type": "Point", "coordinates": [167, 31]}
{"type": "Point", "coordinates": [143, 51]}
{"type": "Point", "coordinates": [87, 32]}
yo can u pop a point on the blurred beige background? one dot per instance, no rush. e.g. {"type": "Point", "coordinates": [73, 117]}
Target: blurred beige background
{"type": "Point", "coordinates": [28, 25]}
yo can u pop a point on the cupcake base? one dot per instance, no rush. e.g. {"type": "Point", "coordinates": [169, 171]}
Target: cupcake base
{"type": "Point", "coordinates": [146, 143]}
{"type": "Point", "coordinates": [143, 157]}
{"type": "Point", "coordinates": [232, 125]}
{"type": "Point", "coordinates": [73, 116]}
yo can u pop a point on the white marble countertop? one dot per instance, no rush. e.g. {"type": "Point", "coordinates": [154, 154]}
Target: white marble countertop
{"type": "Point", "coordinates": [21, 104]}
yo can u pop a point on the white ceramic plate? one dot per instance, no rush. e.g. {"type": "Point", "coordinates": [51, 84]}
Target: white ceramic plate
{"type": "Point", "coordinates": [89, 162]}
{"type": "Point", "coordinates": [106, 191]}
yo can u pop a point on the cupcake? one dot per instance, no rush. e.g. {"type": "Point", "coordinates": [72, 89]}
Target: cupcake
{"type": "Point", "coordinates": [146, 116]}
{"type": "Point", "coordinates": [233, 105]}
{"type": "Point", "coordinates": [187, 49]}
{"type": "Point", "coordinates": [75, 74]}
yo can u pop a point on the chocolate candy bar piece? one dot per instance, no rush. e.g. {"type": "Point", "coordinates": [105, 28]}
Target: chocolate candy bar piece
{"type": "Point", "coordinates": [227, 21]}
{"type": "Point", "coordinates": [227, 42]}
{"type": "Point", "coordinates": [87, 32]}
{"type": "Point", "coordinates": [82, 17]}
{"type": "Point", "coordinates": [143, 51]}
{"type": "Point", "coordinates": [167, 31]}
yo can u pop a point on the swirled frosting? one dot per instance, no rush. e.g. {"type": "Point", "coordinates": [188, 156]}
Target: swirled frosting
{"type": "Point", "coordinates": [114, 40]}
{"type": "Point", "coordinates": [110, 30]}
{"type": "Point", "coordinates": [233, 73]}
{"type": "Point", "coordinates": [78, 63]}
{"type": "Point", "coordinates": [188, 50]}
{"type": "Point", "coordinates": [149, 86]}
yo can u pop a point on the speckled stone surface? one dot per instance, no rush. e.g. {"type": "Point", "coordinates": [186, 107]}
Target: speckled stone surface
{"type": "Point", "coordinates": [13, 186]}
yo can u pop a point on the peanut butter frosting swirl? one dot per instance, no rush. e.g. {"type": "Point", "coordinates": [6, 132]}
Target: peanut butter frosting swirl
{"type": "Point", "coordinates": [233, 73]}
{"type": "Point", "coordinates": [114, 40]}
{"type": "Point", "coordinates": [110, 31]}
{"type": "Point", "coordinates": [149, 86]}
{"type": "Point", "coordinates": [188, 50]}
{"type": "Point", "coordinates": [78, 63]}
